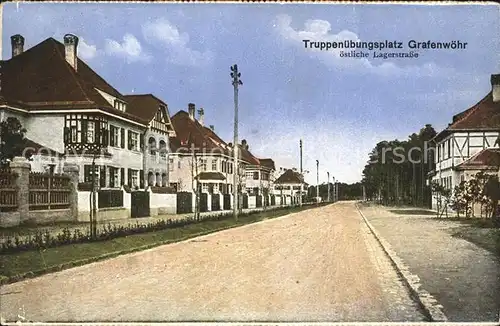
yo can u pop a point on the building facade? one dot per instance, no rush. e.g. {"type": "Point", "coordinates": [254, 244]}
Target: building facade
{"type": "Point", "coordinates": [471, 136]}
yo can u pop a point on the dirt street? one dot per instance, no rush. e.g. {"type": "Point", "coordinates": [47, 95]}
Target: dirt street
{"type": "Point", "coordinates": [321, 264]}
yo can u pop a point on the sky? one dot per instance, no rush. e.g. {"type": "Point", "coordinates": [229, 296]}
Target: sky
{"type": "Point", "coordinates": [340, 107]}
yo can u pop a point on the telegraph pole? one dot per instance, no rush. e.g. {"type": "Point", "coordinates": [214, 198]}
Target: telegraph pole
{"type": "Point", "coordinates": [301, 174]}
{"type": "Point", "coordinates": [328, 178]}
{"type": "Point", "coordinates": [317, 180]}
{"type": "Point", "coordinates": [236, 83]}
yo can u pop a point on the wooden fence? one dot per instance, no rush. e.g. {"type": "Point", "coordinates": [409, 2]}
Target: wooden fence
{"type": "Point", "coordinates": [48, 191]}
{"type": "Point", "coordinates": [8, 190]}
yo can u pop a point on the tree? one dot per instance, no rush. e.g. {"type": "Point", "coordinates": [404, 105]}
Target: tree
{"type": "Point", "coordinates": [11, 139]}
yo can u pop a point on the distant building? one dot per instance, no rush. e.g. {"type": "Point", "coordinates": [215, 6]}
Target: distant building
{"type": "Point", "coordinates": [289, 184]}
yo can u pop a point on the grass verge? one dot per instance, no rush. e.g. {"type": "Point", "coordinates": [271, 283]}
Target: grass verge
{"type": "Point", "coordinates": [486, 238]}
{"type": "Point", "coordinates": [18, 266]}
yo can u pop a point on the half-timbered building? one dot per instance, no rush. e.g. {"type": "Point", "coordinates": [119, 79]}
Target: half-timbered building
{"type": "Point", "coordinates": [470, 137]}
{"type": "Point", "coordinates": [67, 107]}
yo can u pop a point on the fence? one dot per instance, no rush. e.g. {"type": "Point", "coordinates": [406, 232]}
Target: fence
{"type": "Point", "coordinates": [110, 198]}
{"type": "Point", "coordinates": [48, 191]}
{"type": "Point", "coordinates": [8, 190]}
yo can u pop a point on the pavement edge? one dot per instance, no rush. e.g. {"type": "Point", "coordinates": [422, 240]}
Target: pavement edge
{"type": "Point", "coordinates": [429, 304]}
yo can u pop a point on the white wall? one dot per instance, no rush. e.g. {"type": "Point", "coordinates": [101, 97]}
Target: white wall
{"type": "Point", "coordinates": [47, 130]}
{"type": "Point", "coordinates": [168, 202]}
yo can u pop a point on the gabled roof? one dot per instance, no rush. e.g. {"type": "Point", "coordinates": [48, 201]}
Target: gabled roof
{"type": "Point", "coordinates": [290, 176]}
{"type": "Point", "coordinates": [484, 115]}
{"type": "Point", "coordinates": [190, 133]}
{"type": "Point", "coordinates": [268, 163]}
{"type": "Point", "coordinates": [145, 107]}
{"type": "Point", "coordinates": [40, 78]}
{"type": "Point", "coordinates": [487, 159]}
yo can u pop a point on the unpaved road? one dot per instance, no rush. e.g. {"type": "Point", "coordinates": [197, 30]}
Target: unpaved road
{"type": "Point", "coordinates": [317, 265]}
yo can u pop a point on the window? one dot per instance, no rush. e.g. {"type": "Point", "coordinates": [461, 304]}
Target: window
{"type": "Point", "coordinates": [115, 136]}
{"type": "Point", "coordinates": [264, 176]}
{"type": "Point", "coordinates": [214, 165]}
{"type": "Point", "coordinates": [204, 186]}
{"type": "Point", "coordinates": [179, 163]}
{"type": "Point", "coordinates": [134, 177]}
{"type": "Point", "coordinates": [249, 174]}
{"type": "Point", "coordinates": [462, 178]}
{"type": "Point", "coordinates": [133, 141]}
{"type": "Point", "coordinates": [74, 134]}
{"type": "Point", "coordinates": [114, 180]}
{"type": "Point", "coordinates": [171, 164]}
{"type": "Point", "coordinates": [230, 168]}
{"type": "Point", "coordinates": [256, 175]}
{"type": "Point", "coordinates": [203, 164]}
{"type": "Point", "coordinates": [87, 173]}
{"type": "Point", "coordinates": [90, 132]}
{"type": "Point", "coordinates": [449, 148]}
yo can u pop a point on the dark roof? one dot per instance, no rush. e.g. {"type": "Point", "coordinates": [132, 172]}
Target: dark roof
{"type": "Point", "coordinates": [290, 176]}
{"type": "Point", "coordinates": [211, 176]}
{"type": "Point", "coordinates": [40, 78]}
{"type": "Point", "coordinates": [144, 106]}
{"type": "Point", "coordinates": [190, 133]}
{"type": "Point", "coordinates": [488, 158]}
{"type": "Point", "coordinates": [268, 163]}
{"type": "Point", "coordinates": [484, 115]}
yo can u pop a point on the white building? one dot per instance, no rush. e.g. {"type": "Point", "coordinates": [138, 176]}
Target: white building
{"type": "Point", "coordinates": [289, 184]}
{"type": "Point", "coordinates": [68, 108]}
{"type": "Point", "coordinates": [463, 146]}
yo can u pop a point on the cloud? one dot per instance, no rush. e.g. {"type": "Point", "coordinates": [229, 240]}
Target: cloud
{"type": "Point", "coordinates": [130, 49]}
{"type": "Point", "coordinates": [168, 36]}
{"type": "Point", "coordinates": [85, 50]}
{"type": "Point", "coordinates": [321, 30]}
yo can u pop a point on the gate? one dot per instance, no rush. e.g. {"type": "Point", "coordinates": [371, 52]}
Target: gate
{"type": "Point", "coordinates": [184, 202]}
{"type": "Point", "coordinates": [245, 201]}
{"type": "Point", "coordinates": [227, 202]}
{"type": "Point", "coordinates": [139, 204]}
{"type": "Point", "coordinates": [215, 202]}
{"type": "Point", "coordinates": [203, 202]}
{"type": "Point", "coordinates": [258, 201]}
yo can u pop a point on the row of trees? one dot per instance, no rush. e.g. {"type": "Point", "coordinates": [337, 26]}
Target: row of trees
{"type": "Point", "coordinates": [396, 172]}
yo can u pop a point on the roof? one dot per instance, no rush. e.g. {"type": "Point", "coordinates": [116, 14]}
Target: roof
{"type": "Point", "coordinates": [486, 159]}
{"type": "Point", "coordinates": [484, 115]}
{"type": "Point", "coordinates": [211, 176]}
{"type": "Point", "coordinates": [144, 106]}
{"type": "Point", "coordinates": [40, 78]}
{"type": "Point", "coordinates": [190, 133]}
{"type": "Point", "coordinates": [290, 176]}
{"type": "Point", "coordinates": [268, 163]}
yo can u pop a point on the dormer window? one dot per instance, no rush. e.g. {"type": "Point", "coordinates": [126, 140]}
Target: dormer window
{"type": "Point", "coordinates": [120, 105]}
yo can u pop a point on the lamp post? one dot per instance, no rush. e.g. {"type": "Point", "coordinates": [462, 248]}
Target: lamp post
{"type": "Point", "coordinates": [317, 180]}
{"type": "Point", "coordinates": [236, 83]}
{"type": "Point", "coordinates": [328, 183]}
{"type": "Point", "coordinates": [301, 175]}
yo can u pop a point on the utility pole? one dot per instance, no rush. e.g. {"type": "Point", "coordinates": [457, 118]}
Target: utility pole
{"type": "Point", "coordinates": [301, 175]}
{"type": "Point", "coordinates": [317, 180]}
{"type": "Point", "coordinates": [236, 83]}
{"type": "Point", "coordinates": [328, 179]}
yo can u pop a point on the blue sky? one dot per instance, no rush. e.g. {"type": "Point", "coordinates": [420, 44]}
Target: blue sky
{"type": "Point", "coordinates": [340, 107]}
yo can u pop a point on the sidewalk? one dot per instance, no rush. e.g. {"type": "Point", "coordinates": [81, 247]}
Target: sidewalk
{"type": "Point", "coordinates": [54, 229]}
{"type": "Point", "coordinates": [463, 277]}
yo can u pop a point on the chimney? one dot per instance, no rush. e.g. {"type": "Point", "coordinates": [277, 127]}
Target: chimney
{"type": "Point", "coordinates": [201, 116]}
{"type": "Point", "coordinates": [495, 87]}
{"type": "Point", "coordinates": [191, 109]}
{"type": "Point", "coordinates": [70, 49]}
{"type": "Point", "coordinates": [244, 144]}
{"type": "Point", "coordinates": [17, 42]}
{"type": "Point", "coordinates": [212, 128]}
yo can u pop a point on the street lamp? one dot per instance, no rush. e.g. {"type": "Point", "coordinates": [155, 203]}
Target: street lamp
{"type": "Point", "coordinates": [317, 180]}
{"type": "Point", "coordinates": [328, 183]}
{"type": "Point", "coordinates": [301, 175]}
{"type": "Point", "coordinates": [236, 83]}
